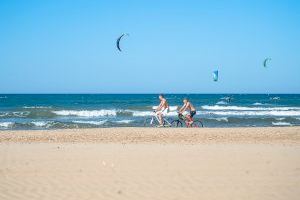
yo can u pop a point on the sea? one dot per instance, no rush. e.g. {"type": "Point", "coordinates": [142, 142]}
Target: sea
{"type": "Point", "coordinates": [62, 111]}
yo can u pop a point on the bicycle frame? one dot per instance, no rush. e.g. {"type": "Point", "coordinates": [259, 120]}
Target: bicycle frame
{"type": "Point", "coordinates": [185, 119]}
{"type": "Point", "coordinates": [155, 117]}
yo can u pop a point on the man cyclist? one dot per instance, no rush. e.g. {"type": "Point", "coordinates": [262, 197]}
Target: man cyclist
{"type": "Point", "coordinates": [162, 109]}
{"type": "Point", "coordinates": [187, 106]}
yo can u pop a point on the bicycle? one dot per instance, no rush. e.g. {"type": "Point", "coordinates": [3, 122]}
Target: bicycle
{"type": "Point", "coordinates": [154, 121]}
{"type": "Point", "coordinates": [197, 123]}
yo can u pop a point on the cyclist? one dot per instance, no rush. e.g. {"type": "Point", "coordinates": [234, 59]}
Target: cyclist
{"type": "Point", "coordinates": [187, 106]}
{"type": "Point", "coordinates": [162, 109]}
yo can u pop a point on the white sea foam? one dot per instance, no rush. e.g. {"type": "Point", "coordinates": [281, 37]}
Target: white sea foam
{"type": "Point", "coordinates": [280, 118]}
{"type": "Point", "coordinates": [172, 112]}
{"type": "Point", "coordinates": [3, 97]}
{"type": "Point", "coordinates": [257, 104]}
{"type": "Point", "coordinates": [151, 113]}
{"type": "Point", "coordinates": [6, 124]}
{"type": "Point", "coordinates": [281, 124]}
{"type": "Point", "coordinates": [225, 119]}
{"type": "Point", "coordinates": [125, 121]}
{"type": "Point", "coordinates": [39, 123]}
{"type": "Point", "coordinates": [142, 113]}
{"type": "Point", "coordinates": [3, 114]}
{"type": "Point", "coordinates": [14, 114]}
{"type": "Point", "coordinates": [253, 113]}
{"type": "Point", "coordinates": [90, 122]}
{"type": "Point", "coordinates": [28, 107]}
{"type": "Point", "coordinates": [250, 111]}
{"type": "Point", "coordinates": [217, 107]}
{"type": "Point", "coordinates": [21, 114]}
{"type": "Point", "coordinates": [86, 113]}
{"type": "Point", "coordinates": [221, 103]}
{"type": "Point", "coordinates": [171, 108]}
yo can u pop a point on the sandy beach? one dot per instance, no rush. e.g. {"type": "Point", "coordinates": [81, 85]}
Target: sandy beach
{"type": "Point", "coordinates": [146, 163]}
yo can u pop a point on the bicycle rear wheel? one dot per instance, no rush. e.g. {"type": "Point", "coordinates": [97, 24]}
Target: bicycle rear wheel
{"type": "Point", "coordinates": [151, 122]}
{"type": "Point", "coordinates": [176, 123]}
{"type": "Point", "coordinates": [197, 124]}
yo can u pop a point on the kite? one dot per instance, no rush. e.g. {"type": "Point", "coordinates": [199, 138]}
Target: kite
{"type": "Point", "coordinates": [266, 61]}
{"type": "Point", "coordinates": [216, 75]}
{"type": "Point", "coordinates": [119, 39]}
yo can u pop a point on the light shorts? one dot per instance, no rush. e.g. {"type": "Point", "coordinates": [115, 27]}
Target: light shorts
{"type": "Point", "coordinates": [163, 112]}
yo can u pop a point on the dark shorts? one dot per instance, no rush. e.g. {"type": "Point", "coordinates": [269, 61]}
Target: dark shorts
{"type": "Point", "coordinates": [192, 113]}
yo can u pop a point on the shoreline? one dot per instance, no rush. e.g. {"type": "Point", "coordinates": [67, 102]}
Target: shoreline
{"type": "Point", "coordinates": [284, 135]}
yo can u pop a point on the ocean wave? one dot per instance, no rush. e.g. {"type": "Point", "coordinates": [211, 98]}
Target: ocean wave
{"type": "Point", "coordinates": [6, 124]}
{"type": "Point", "coordinates": [35, 114]}
{"type": "Point", "coordinates": [90, 122]}
{"type": "Point", "coordinates": [221, 103]}
{"type": "Point", "coordinates": [150, 113]}
{"type": "Point", "coordinates": [244, 108]}
{"type": "Point", "coordinates": [39, 123]}
{"type": "Point", "coordinates": [125, 121]}
{"type": "Point", "coordinates": [3, 97]}
{"type": "Point", "coordinates": [280, 118]}
{"type": "Point", "coordinates": [258, 104]}
{"type": "Point", "coordinates": [4, 114]}
{"type": "Point", "coordinates": [226, 98]}
{"type": "Point", "coordinates": [86, 113]}
{"type": "Point", "coordinates": [253, 113]}
{"type": "Point", "coordinates": [281, 124]}
{"type": "Point", "coordinates": [38, 114]}
{"type": "Point", "coordinates": [172, 112]}
{"type": "Point", "coordinates": [142, 113]}
{"type": "Point", "coordinates": [20, 114]}
{"type": "Point", "coordinates": [225, 119]}
{"type": "Point", "coordinates": [171, 108]}
{"type": "Point", "coordinates": [14, 114]}
{"type": "Point", "coordinates": [32, 107]}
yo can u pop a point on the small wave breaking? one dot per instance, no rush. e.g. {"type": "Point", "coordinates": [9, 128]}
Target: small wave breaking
{"type": "Point", "coordinates": [6, 124]}
{"type": "Point", "coordinates": [217, 107]}
{"type": "Point", "coordinates": [221, 103]}
{"type": "Point", "coordinates": [86, 113]}
{"type": "Point", "coordinates": [281, 124]}
{"type": "Point", "coordinates": [90, 122]}
{"type": "Point", "coordinates": [125, 121]}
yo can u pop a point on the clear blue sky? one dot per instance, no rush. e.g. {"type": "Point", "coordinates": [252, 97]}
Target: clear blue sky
{"type": "Point", "coordinates": [69, 46]}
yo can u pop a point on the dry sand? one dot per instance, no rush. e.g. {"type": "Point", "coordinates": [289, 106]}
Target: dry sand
{"type": "Point", "coordinates": [136, 163]}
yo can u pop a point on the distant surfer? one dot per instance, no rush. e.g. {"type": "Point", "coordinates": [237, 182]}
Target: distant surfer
{"type": "Point", "coordinates": [227, 99]}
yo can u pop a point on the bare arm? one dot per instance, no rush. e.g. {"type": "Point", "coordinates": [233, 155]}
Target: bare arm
{"type": "Point", "coordinates": [161, 105]}
{"type": "Point", "coordinates": [183, 108]}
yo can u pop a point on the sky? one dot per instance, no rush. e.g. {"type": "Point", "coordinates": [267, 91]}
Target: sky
{"type": "Point", "coordinates": [61, 46]}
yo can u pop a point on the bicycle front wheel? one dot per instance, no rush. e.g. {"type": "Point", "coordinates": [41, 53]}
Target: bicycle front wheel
{"type": "Point", "coordinates": [151, 122]}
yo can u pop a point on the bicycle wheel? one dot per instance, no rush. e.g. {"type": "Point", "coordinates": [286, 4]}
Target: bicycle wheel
{"type": "Point", "coordinates": [176, 123]}
{"type": "Point", "coordinates": [197, 124]}
{"type": "Point", "coordinates": [151, 122]}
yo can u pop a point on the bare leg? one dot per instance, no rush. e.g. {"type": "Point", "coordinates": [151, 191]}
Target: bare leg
{"type": "Point", "coordinates": [189, 120]}
{"type": "Point", "coordinates": [160, 119]}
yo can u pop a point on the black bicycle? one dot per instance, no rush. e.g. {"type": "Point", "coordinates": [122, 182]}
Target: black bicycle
{"type": "Point", "coordinates": [183, 121]}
